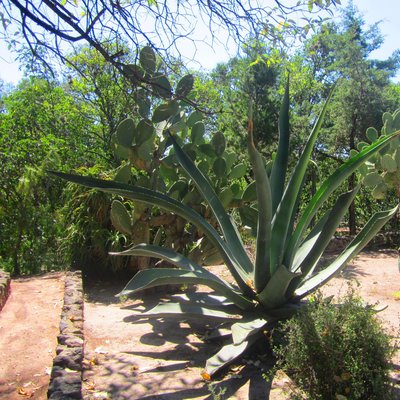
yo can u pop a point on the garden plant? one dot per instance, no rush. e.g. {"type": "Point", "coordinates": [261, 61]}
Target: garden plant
{"type": "Point", "coordinates": [288, 248]}
{"type": "Point", "coordinates": [335, 351]}
{"type": "Point", "coordinates": [146, 162]}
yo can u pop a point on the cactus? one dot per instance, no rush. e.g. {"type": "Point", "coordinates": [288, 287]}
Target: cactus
{"type": "Point", "coordinates": [382, 172]}
{"type": "Point", "coordinates": [149, 162]}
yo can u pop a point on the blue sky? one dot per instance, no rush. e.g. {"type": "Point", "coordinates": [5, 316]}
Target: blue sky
{"type": "Point", "coordinates": [386, 11]}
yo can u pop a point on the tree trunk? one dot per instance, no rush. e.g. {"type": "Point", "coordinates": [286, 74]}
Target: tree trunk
{"type": "Point", "coordinates": [16, 269]}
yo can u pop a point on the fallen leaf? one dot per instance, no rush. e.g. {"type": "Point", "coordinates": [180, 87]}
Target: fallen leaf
{"type": "Point", "coordinates": [22, 392]}
{"type": "Point", "coordinates": [91, 362]}
{"type": "Point", "coordinates": [90, 386]}
{"type": "Point", "coordinates": [206, 376]}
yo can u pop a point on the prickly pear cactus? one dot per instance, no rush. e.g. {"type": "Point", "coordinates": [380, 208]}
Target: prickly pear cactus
{"type": "Point", "coordinates": [382, 172]}
{"type": "Point", "coordinates": [142, 145]}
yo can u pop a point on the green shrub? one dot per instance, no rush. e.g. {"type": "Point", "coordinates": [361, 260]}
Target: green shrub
{"type": "Point", "coordinates": [336, 351]}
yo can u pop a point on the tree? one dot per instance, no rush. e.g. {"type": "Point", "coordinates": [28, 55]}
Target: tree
{"type": "Point", "coordinates": [251, 78]}
{"type": "Point", "coordinates": [51, 27]}
{"type": "Point", "coordinates": [340, 53]}
{"type": "Point", "coordinates": [106, 94]}
{"type": "Point", "coordinates": [41, 128]}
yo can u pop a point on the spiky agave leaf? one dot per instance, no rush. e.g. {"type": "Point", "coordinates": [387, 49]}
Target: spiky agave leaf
{"type": "Point", "coordinates": [287, 207]}
{"type": "Point", "coordinates": [229, 353]}
{"type": "Point", "coordinates": [188, 273]}
{"type": "Point", "coordinates": [151, 197]}
{"type": "Point", "coordinates": [244, 265]}
{"type": "Point", "coordinates": [326, 189]}
{"type": "Point", "coordinates": [262, 271]}
{"type": "Point", "coordinates": [355, 246]}
{"type": "Point", "coordinates": [279, 167]}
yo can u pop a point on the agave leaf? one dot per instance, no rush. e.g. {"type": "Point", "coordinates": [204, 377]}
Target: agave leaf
{"type": "Point", "coordinates": [243, 329]}
{"type": "Point", "coordinates": [319, 239]}
{"type": "Point", "coordinates": [323, 234]}
{"type": "Point", "coordinates": [228, 353]}
{"type": "Point", "coordinates": [262, 271]}
{"type": "Point", "coordinates": [279, 168]}
{"type": "Point", "coordinates": [184, 310]}
{"type": "Point", "coordinates": [149, 250]}
{"type": "Point", "coordinates": [328, 186]}
{"type": "Point", "coordinates": [287, 207]}
{"type": "Point", "coordinates": [182, 262]}
{"type": "Point", "coordinates": [244, 265]}
{"type": "Point", "coordinates": [166, 276]}
{"type": "Point", "coordinates": [274, 294]}
{"type": "Point", "coordinates": [151, 197]}
{"type": "Point", "coordinates": [364, 236]}
{"type": "Point", "coordinates": [335, 216]}
{"type": "Point", "coordinates": [309, 242]}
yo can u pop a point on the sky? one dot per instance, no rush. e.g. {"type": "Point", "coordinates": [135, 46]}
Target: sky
{"type": "Point", "coordinates": [373, 11]}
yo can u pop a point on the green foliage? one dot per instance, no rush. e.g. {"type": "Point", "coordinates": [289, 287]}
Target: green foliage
{"type": "Point", "coordinates": [149, 162]}
{"type": "Point", "coordinates": [382, 172]}
{"type": "Point", "coordinates": [88, 236]}
{"type": "Point", "coordinates": [36, 133]}
{"type": "Point", "coordinates": [342, 50]}
{"type": "Point", "coordinates": [288, 248]}
{"type": "Point", "coordinates": [335, 351]}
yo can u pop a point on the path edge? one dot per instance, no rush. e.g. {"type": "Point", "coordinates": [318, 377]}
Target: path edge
{"type": "Point", "coordinates": [66, 373]}
{"type": "Point", "coordinates": [5, 288]}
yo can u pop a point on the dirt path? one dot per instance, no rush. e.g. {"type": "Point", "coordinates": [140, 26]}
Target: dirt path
{"type": "Point", "coordinates": [29, 325]}
{"type": "Point", "coordinates": [129, 358]}
{"type": "Point", "coordinates": [132, 358]}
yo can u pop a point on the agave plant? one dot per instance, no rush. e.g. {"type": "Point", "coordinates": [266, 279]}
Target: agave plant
{"type": "Point", "coordinates": [287, 248]}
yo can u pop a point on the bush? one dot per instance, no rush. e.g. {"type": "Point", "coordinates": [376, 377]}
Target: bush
{"type": "Point", "coordinates": [88, 236]}
{"type": "Point", "coordinates": [336, 351]}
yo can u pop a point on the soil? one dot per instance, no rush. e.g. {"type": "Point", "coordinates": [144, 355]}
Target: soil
{"type": "Point", "coordinates": [29, 325]}
{"type": "Point", "coordinates": [127, 357]}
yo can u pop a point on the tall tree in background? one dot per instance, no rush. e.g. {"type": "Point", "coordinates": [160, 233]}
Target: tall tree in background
{"type": "Point", "coordinates": [232, 86]}
{"type": "Point", "coordinates": [362, 94]}
{"type": "Point", "coordinates": [106, 94]}
{"type": "Point", "coordinates": [340, 53]}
